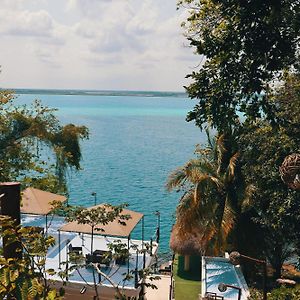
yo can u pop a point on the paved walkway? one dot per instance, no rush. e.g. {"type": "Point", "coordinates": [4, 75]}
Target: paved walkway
{"type": "Point", "coordinates": [163, 289]}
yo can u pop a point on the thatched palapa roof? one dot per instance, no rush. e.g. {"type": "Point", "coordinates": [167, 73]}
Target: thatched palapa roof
{"type": "Point", "coordinates": [185, 244]}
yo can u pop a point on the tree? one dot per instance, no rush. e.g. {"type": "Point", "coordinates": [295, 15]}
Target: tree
{"type": "Point", "coordinates": [287, 98]}
{"type": "Point", "coordinates": [251, 68]}
{"type": "Point", "coordinates": [25, 135]}
{"type": "Point", "coordinates": [263, 150]}
{"type": "Point", "coordinates": [246, 46]}
{"type": "Point", "coordinates": [214, 194]}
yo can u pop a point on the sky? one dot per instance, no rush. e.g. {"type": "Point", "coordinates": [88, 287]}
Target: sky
{"type": "Point", "coordinates": [94, 44]}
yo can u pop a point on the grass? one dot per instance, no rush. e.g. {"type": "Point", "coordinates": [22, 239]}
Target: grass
{"type": "Point", "coordinates": [187, 284]}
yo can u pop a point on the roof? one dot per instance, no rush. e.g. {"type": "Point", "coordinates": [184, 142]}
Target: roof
{"type": "Point", "coordinates": [187, 244]}
{"type": "Point", "coordinates": [113, 228]}
{"type": "Point", "coordinates": [35, 201]}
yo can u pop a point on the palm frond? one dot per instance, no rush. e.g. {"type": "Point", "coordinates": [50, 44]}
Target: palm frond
{"type": "Point", "coordinates": [197, 168]}
{"type": "Point", "coordinates": [232, 165]}
{"type": "Point", "coordinates": [176, 179]}
{"type": "Point", "coordinates": [248, 200]}
{"type": "Point", "coordinates": [210, 140]}
{"type": "Point", "coordinates": [219, 152]}
{"type": "Point", "coordinates": [228, 220]}
{"type": "Point", "coordinates": [205, 182]}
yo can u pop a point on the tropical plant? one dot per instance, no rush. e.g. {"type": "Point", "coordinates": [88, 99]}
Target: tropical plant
{"type": "Point", "coordinates": [26, 134]}
{"type": "Point", "coordinates": [25, 276]}
{"type": "Point", "coordinates": [214, 193]}
{"type": "Point", "coordinates": [281, 293]}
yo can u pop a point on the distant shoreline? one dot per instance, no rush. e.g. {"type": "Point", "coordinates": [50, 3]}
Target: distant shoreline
{"type": "Point", "coordinates": [98, 93]}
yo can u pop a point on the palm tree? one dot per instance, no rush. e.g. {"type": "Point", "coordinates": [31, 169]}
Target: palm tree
{"type": "Point", "coordinates": [214, 193]}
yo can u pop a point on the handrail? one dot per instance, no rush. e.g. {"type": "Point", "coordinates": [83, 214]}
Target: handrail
{"type": "Point", "coordinates": [213, 296]}
{"type": "Point", "coordinates": [172, 284]}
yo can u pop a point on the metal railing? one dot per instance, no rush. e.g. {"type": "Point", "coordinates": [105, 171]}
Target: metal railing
{"type": "Point", "coordinates": [172, 283]}
{"type": "Point", "coordinates": [212, 296]}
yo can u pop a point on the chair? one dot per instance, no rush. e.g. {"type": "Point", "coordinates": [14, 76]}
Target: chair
{"type": "Point", "coordinates": [75, 250]}
{"type": "Point", "coordinates": [100, 257]}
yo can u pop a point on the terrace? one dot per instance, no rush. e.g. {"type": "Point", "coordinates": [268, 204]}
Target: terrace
{"type": "Point", "coordinates": [92, 248]}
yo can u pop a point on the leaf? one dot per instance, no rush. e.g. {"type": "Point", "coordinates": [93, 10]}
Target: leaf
{"type": "Point", "coordinates": [14, 274]}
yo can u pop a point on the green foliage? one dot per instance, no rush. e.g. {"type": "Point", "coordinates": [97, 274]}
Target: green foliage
{"type": "Point", "coordinates": [26, 133]}
{"type": "Point", "coordinates": [24, 278]}
{"type": "Point", "coordinates": [282, 293]}
{"type": "Point", "coordinates": [285, 293]}
{"type": "Point", "coordinates": [215, 196]}
{"type": "Point", "coordinates": [287, 99]}
{"type": "Point", "coordinates": [263, 150]}
{"type": "Point", "coordinates": [246, 45]}
{"type": "Point", "coordinates": [249, 81]}
{"type": "Point", "coordinates": [120, 250]}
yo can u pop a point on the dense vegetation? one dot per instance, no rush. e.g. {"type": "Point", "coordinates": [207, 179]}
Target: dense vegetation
{"type": "Point", "coordinates": [35, 148]}
{"type": "Point", "coordinates": [246, 45]}
{"type": "Point", "coordinates": [248, 90]}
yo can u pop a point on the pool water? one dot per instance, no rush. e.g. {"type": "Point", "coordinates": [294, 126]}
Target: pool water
{"type": "Point", "coordinates": [216, 270]}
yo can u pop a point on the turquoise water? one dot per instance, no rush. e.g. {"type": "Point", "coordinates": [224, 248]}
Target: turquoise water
{"type": "Point", "coordinates": [135, 142]}
{"type": "Point", "coordinates": [220, 270]}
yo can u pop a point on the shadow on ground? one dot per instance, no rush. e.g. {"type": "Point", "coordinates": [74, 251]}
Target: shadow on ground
{"type": "Point", "coordinates": [195, 268]}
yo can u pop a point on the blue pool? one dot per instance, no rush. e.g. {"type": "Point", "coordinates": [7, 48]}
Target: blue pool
{"type": "Point", "coordinates": [216, 270]}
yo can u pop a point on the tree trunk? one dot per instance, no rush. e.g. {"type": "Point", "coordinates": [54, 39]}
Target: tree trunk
{"type": "Point", "coordinates": [10, 206]}
{"type": "Point", "coordinates": [186, 263]}
{"type": "Point", "coordinates": [277, 273]}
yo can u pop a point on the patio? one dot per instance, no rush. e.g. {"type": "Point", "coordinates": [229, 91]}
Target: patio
{"type": "Point", "coordinates": [83, 276]}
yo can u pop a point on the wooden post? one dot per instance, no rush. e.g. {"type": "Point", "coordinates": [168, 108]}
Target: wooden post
{"type": "Point", "coordinates": [10, 206]}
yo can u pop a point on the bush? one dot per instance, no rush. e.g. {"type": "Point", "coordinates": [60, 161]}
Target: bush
{"type": "Point", "coordinates": [282, 293]}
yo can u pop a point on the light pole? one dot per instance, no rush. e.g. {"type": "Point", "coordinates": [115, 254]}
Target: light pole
{"type": "Point", "coordinates": [222, 287]}
{"type": "Point", "coordinates": [235, 257]}
{"type": "Point", "coordinates": [136, 278]}
{"type": "Point", "coordinates": [95, 197]}
{"type": "Point", "coordinates": [157, 213]}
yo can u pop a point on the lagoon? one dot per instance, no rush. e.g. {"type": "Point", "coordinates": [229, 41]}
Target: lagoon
{"type": "Point", "coordinates": [135, 141]}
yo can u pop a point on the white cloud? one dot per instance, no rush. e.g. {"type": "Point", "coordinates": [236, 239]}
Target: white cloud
{"type": "Point", "coordinates": [25, 23]}
{"type": "Point", "coordinates": [136, 44]}
{"type": "Point", "coordinates": [144, 21]}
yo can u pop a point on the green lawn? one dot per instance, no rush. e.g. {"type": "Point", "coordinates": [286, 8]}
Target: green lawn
{"type": "Point", "coordinates": [187, 284]}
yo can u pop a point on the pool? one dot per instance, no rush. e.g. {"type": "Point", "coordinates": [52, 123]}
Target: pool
{"type": "Point", "coordinates": [116, 273]}
{"type": "Point", "coordinates": [216, 270]}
